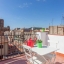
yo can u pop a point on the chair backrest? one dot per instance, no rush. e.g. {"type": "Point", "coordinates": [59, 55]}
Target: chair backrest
{"type": "Point", "coordinates": [53, 43]}
{"type": "Point", "coordinates": [28, 51]}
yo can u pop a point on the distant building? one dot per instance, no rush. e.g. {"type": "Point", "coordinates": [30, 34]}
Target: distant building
{"type": "Point", "coordinates": [2, 28]}
{"type": "Point", "coordinates": [16, 28]}
{"type": "Point", "coordinates": [56, 30]}
{"type": "Point", "coordinates": [26, 30]}
{"type": "Point", "coordinates": [47, 30]}
{"type": "Point", "coordinates": [3, 46]}
{"type": "Point", "coordinates": [3, 39]}
{"type": "Point", "coordinates": [1, 23]}
{"type": "Point", "coordinates": [36, 28]}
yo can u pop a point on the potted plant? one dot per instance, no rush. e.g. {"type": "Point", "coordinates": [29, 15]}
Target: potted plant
{"type": "Point", "coordinates": [39, 43]}
{"type": "Point", "coordinates": [43, 29]}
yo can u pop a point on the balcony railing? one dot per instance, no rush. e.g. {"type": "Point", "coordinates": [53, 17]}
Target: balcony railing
{"type": "Point", "coordinates": [11, 45]}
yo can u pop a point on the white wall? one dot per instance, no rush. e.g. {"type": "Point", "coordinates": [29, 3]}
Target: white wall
{"type": "Point", "coordinates": [43, 37]}
{"type": "Point", "coordinates": [4, 50]}
{"type": "Point", "coordinates": [38, 35]}
{"type": "Point", "coordinates": [60, 39]}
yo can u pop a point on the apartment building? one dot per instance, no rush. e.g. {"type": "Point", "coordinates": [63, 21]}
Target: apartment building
{"type": "Point", "coordinates": [3, 46]}
{"type": "Point", "coordinates": [56, 30]}
{"type": "Point", "coordinates": [3, 39]}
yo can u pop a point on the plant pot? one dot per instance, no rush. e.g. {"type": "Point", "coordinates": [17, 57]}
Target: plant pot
{"type": "Point", "coordinates": [43, 29]}
{"type": "Point", "coordinates": [39, 45]}
{"type": "Point", "coordinates": [30, 43]}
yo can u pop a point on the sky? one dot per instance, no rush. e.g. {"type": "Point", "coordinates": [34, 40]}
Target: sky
{"type": "Point", "coordinates": [31, 13]}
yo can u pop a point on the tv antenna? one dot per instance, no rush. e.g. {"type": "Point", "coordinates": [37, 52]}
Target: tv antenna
{"type": "Point", "coordinates": [62, 20]}
{"type": "Point", "coordinates": [52, 22]}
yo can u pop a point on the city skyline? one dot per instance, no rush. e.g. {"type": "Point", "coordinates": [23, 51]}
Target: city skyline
{"type": "Point", "coordinates": [31, 13]}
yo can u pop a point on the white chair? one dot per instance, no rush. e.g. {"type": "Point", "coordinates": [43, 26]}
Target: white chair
{"type": "Point", "coordinates": [51, 56]}
{"type": "Point", "coordinates": [32, 58]}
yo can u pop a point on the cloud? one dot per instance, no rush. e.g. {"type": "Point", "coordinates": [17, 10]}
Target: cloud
{"type": "Point", "coordinates": [25, 5]}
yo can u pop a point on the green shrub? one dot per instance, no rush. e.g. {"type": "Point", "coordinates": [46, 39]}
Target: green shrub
{"type": "Point", "coordinates": [39, 41]}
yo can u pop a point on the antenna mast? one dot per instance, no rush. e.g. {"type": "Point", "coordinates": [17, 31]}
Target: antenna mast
{"type": "Point", "coordinates": [62, 20]}
{"type": "Point", "coordinates": [52, 22]}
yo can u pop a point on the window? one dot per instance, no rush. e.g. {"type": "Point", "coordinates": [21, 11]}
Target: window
{"type": "Point", "coordinates": [1, 46]}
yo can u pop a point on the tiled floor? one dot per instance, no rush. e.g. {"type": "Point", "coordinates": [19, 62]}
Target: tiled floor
{"type": "Point", "coordinates": [59, 60]}
{"type": "Point", "coordinates": [22, 60]}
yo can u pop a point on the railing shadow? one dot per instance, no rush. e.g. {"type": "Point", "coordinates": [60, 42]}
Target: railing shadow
{"type": "Point", "coordinates": [59, 63]}
{"type": "Point", "coordinates": [14, 61]}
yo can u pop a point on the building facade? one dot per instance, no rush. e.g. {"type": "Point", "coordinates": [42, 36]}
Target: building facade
{"type": "Point", "coordinates": [3, 39]}
{"type": "Point", "coordinates": [56, 30]}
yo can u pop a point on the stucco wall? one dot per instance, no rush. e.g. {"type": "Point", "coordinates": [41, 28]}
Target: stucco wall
{"type": "Point", "coordinates": [4, 50]}
{"type": "Point", "coordinates": [59, 30]}
{"type": "Point", "coordinates": [60, 39]}
{"type": "Point", "coordinates": [56, 38]}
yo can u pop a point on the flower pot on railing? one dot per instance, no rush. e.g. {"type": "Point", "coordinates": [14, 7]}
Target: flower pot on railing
{"type": "Point", "coordinates": [43, 30]}
{"type": "Point", "coordinates": [39, 43]}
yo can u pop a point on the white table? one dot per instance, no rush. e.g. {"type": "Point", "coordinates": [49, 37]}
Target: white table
{"type": "Point", "coordinates": [43, 50]}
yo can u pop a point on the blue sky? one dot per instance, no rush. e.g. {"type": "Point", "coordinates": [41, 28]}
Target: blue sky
{"type": "Point", "coordinates": [28, 13]}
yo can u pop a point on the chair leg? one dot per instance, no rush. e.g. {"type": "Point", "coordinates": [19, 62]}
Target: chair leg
{"type": "Point", "coordinates": [54, 60]}
{"type": "Point", "coordinates": [45, 63]}
{"type": "Point", "coordinates": [49, 62]}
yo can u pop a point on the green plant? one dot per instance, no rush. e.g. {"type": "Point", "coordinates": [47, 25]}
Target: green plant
{"type": "Point", "coordinates": [39, 41]}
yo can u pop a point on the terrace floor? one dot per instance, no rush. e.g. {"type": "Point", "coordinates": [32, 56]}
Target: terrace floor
{"type": "Point", "coordinates": [22, 60]}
